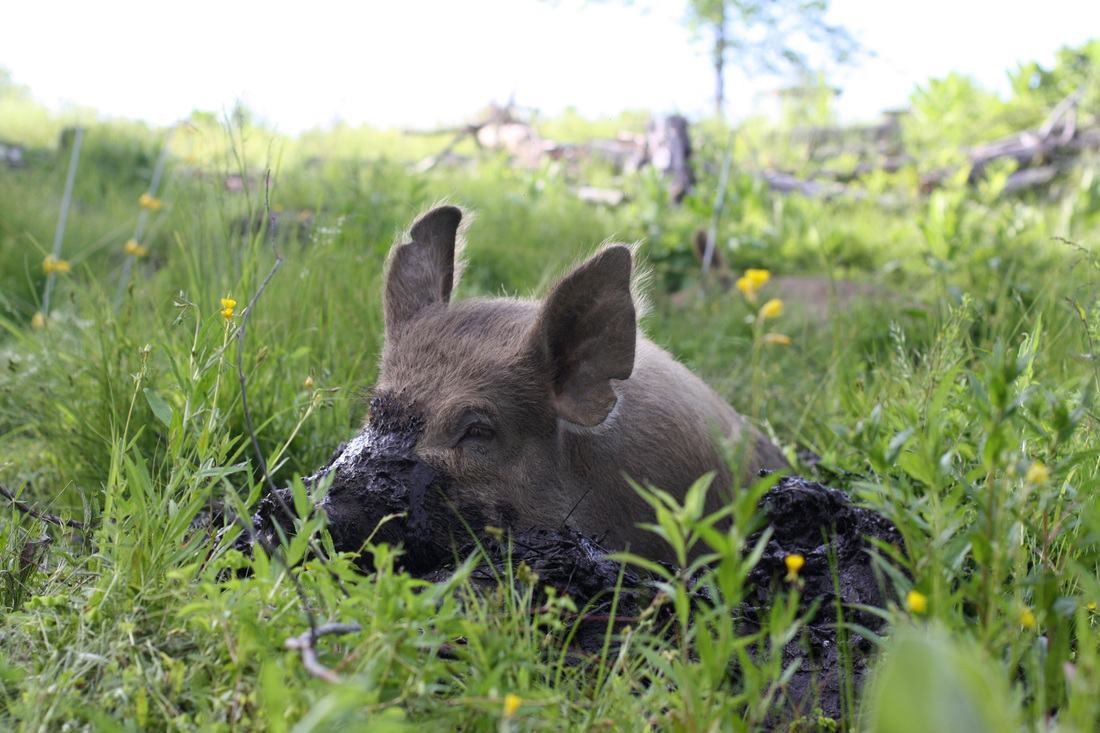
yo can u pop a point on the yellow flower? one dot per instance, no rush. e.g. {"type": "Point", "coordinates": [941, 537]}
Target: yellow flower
{"type": "Point", "coordinates": [777, 338]}
{"type": "Point", "coordinates": [512, 702]}
{"type": "Point", "coordinates": [1090, 606]}
{"type": "Point", "coordinates": [1027, 618]}
{"type": "Point", "coordinates": [794, 563]}
{"type": "Point", "coordinates": [39, 321]}
{"type": "Point", "coordinates": [752, 281]}
{"type": "Point", "coordinates": [772, 309]}
{"type": "Point", "coordinates": [757, 277]}
{"type": "Point", "coordinates": [1037, 473]}
{"type": "Point", "coordinates": [229, 304]}
{"type": "Point", "coordinates": [149, 202]}
{"type": "Point", "coordinates": [51, 265]}
{"type": "Point", "coordinates": [917, 602]}
{"type": "Point", "coordinates": [135, 249]}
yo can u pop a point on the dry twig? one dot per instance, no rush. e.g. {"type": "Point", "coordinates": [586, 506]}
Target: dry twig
{"type": "Point", "coordinates": [256, 536]}
{"type": "Point", "coordinates": [305, 643]}
{"type": "Point", "coordinates": [49, 518]}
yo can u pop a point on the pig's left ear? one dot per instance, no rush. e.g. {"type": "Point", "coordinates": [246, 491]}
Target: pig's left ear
{"type": "Point", "coordinates": [422, 272]}
{"type": "Point", "coordinates": [587, 330]}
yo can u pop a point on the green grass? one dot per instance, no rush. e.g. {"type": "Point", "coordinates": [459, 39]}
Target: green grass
{"type": "Point", "coordinates": [125, 412]}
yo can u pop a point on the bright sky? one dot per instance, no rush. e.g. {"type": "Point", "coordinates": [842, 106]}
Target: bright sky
{"type": "Point", "coordinates": [423, 62]}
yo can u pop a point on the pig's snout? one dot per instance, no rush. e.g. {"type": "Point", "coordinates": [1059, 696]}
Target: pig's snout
{"type": "Point", "coordinates": [382, 492]}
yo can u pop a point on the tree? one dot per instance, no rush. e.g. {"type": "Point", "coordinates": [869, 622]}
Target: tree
{"type": "Point", "coordinates": [766, 35]}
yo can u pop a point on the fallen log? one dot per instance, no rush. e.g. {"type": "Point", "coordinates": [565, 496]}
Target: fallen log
{"type": "Point", "coordinates": [1040, 155]}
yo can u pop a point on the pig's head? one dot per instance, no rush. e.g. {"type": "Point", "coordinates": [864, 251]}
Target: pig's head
{"type": "Point", "coordinates": [472, 397]}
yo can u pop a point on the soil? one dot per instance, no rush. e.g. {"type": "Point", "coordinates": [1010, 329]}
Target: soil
{"type": "Point", "coordinates": [805, 518]}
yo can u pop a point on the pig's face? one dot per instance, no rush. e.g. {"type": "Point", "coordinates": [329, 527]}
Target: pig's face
{"type": "Point", "coordinates": [472, 396]}
{"type": "Point", "coordinates": [485, 399]}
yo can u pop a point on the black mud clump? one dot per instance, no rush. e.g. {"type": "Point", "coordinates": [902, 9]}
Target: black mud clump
{"type": "Point", "coordinates": [573, 565]}
{"type": "Point", "coordinates": [815, 521]}
{"type": "Point", "coordinates": [381, 492]}
{"type": "Point", "coordinates": [805, 518]}
{"type": "Point", "coordinates": [270, 524]}
{"type": "Point", "coordinates": [386, 479]}
{"type": "Point", "coordinates": [383, 477]}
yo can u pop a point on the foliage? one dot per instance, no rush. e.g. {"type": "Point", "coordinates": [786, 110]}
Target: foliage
{"type": "Point", "coordinates": [954, 112]}
{"type": "Point", "coordinates": [769, 35]}
{"type": "Point", "coordinates": [1035, 89]}
{"type": "Point", "coordinates": [961, 406]}
{"type": "Point", "coordinates": [943, 113]}
{"type": "Point", "coordinates": [766, 36]}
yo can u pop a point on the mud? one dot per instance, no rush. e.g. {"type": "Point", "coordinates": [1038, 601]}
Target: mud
{"type": "Point", "coordinates": [805, 518]}
{"type": "Point", "coordinates": [380, 491]}
{"type": "Point", "coordinates": [377, 477]}
{"type": "Point", "coordinates": [814, 521]}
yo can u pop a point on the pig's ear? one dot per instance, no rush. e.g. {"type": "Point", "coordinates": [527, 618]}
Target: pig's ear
{"type": "Point", "coordinates": [587, 330]}
{"type": "Point", "coordinates": [422, 272]}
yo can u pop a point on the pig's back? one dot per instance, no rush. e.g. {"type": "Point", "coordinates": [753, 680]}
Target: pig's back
{"type": "Point", "coordinates": [662, 432]}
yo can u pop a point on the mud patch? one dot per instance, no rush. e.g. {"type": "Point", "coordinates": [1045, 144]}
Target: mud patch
{"type": "Point", "coordinates": [805, 518]}
{"type": "Point", "coordinates": [382, 492]}
{"type": "Point", "coordinates": [814, 521]}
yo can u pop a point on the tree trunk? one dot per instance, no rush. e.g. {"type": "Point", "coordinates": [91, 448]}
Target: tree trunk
{"type": "Point", "coordinates": [720, 63]}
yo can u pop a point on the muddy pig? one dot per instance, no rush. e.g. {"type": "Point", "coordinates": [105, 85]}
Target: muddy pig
{"type": "Point", "coordinates": [523, 413]}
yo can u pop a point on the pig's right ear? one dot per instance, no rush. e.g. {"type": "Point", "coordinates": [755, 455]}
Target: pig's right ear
{"type": "Point", "coordinates": [422, 272]}
{"type": "Point", "coordinates": [586, 330]}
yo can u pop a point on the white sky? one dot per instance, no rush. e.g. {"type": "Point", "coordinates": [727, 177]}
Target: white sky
{"type": "Point", "coordinates": [423, 62]}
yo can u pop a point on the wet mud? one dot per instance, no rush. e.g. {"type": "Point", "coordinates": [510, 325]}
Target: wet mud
{"type": "Point", "coordinates": [377, 477]}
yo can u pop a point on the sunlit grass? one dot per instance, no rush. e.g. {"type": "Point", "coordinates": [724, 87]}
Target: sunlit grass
{"type": "Point", "coordinates": [962, 409]}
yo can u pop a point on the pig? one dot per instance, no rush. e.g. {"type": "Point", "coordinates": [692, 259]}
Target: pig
{"type": "Point", "coordinates": [522, 413]}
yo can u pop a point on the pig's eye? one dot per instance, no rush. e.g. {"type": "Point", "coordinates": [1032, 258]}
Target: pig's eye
{"type": "Point", "coordinates": [478, 433]}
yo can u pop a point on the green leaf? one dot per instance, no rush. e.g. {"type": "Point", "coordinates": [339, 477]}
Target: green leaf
{"type": "Point", "coordinates": [160, 407]}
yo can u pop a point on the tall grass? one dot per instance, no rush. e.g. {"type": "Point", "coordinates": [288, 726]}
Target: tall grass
{"type": "Point", "coordinates": [962, 410]}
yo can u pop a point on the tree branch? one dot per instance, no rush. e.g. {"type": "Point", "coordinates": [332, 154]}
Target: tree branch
{"type": "Point", "coordinates": [48, 518]}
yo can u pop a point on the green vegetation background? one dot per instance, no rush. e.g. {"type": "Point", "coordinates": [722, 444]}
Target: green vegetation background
{"type": "Point", "coordinates": [961, 407]}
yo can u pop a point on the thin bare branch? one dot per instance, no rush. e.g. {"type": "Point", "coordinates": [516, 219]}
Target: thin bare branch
{"type": "Point", "coordinates": [306, 644]}
{"type": "Point", "coordinates": [271, 550]}
{"type": "Point", "coordinates": [48, 518]}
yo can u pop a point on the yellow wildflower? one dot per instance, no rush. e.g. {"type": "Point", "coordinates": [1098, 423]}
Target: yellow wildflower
{"type": "Point", "coordinates": [1090, 606]}
{"type": "Point", "coordinates": [229, 304]}
{"type": "Point", "coordinates": [309, 382]}
{"type": "Point", "coordinates": [752, 281]}
{"type": "Point", "coordinates": [1037, 473]}
{"type": "Point", "coordinates": [512, 702]}
{"type": "Point", "coordinates": [777, 338]}
{"type": "Point", "coordinates": [1027, 618]}
{"type": "Point", "coordinates": [772, 309]}
{"type": "Point", "coordinates": [916, 602]}
{"type": "Point", "coordinates": [39, 321]}
{"type": "Point", "coordinates": [757, 277]}
{"type": "Point", "coordinates": [794, 563]}
{"type": "Point", "coordinates": [150, 202]}
{"type": "Point", "coordinates": [135, 249]}
{"type": "Point", "coordinates": [51, 265]}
